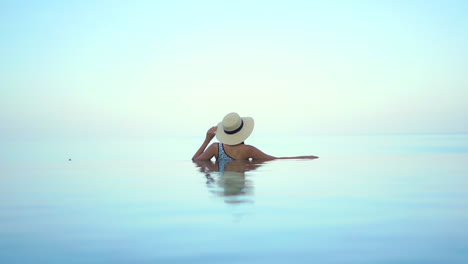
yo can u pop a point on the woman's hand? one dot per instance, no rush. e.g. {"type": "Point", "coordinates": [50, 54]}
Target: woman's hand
{"type": "Point", "coordinates": [210, 134]}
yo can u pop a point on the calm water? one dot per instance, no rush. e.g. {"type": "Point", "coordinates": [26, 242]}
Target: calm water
{"type": "Point", "coordinates": [368, 199]}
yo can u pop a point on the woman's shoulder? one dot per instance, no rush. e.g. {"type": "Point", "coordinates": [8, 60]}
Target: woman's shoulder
{"type": "Point", "coordinates": [239, 147]}
{"type": "Point", "coordinates": [244, 148]}
{"type": "Point", "coordinates": [248, 148]}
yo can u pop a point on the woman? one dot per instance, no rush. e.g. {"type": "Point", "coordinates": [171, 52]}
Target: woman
{"type": "Point", "coordinates": [231, 133]}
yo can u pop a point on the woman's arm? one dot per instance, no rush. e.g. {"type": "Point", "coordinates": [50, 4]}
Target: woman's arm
{"type": "Point", "coordinates": [201, 154]}
{"type": "Point", "coordinates": [257, 154]}
{"type": "Point", "coordinates": [299, 157]}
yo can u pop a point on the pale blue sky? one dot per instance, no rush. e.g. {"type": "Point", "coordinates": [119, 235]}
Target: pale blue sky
{"type": "Point", "coordinates": [144, 68]}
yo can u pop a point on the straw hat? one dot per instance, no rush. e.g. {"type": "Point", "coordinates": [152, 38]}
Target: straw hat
{"type": "Point", "coordinates": [234, 129]}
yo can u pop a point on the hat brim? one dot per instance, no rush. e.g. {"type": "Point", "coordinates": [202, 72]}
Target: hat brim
{"type": "Point", "coordinates": [238, 137]}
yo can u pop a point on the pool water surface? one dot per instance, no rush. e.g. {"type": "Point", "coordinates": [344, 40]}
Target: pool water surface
{"type": "Point", "coordinates": [367, 199]}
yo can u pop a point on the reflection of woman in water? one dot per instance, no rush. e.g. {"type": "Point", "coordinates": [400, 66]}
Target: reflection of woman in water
{"type": "Point", "coordinates": [228, 179]}
{"type": "Point", "coordinates": [231, 133]}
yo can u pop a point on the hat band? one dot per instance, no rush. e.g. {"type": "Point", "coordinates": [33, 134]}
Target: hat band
{"type": "Point", "coordinates": [237, 130]}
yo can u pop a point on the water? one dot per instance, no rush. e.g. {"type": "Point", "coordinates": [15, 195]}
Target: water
{"type": "Point", "coordinates": [368, 199]}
